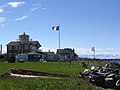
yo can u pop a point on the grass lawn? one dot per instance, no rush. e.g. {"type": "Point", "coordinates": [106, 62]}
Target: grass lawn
{"type": "Point", "coordinates": [73, 83]}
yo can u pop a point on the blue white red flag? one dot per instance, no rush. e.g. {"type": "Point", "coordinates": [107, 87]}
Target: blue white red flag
{"type": "Point", "coordinates": [57, 28]}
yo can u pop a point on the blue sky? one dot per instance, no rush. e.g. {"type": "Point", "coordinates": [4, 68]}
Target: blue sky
{"type": "Point", "coordinates": [83, 23]}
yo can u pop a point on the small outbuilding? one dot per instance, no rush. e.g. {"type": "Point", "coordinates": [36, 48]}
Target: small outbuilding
{"type": "Point", "coordinates": [34, 56]}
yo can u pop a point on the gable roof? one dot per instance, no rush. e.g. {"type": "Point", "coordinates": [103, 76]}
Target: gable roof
{"type": "Point", "coordinates": [33, 53]}
{"type": "Point", "coordinates": [15, 43]}
{"type": "Point", "coordinates": [35, 43]}
{"type": "Point", "coordinates": [49, 53]}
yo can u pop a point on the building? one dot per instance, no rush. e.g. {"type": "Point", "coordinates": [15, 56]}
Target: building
{"type": "Point", "coordinates": [22, 46]}
{"type": "Point", "coordinates": [3, 57]}
{"type": "Point", "coordinates": [66, 54]}
{"type": "Point", "coordinates": [35, 57]}
{"type": "Point", "coordinates": [50, 56]}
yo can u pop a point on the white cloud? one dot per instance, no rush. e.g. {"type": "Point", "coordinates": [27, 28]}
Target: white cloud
{"type": "Point", "coordinates": [2, 25]}
{"type": "Point", "coordinates": [86, 51]}
{"type": "Point", "coordinates": [101, 49]}
{"type": "Point", "coordinates": [15, 4]}
{"type": "Point", "coordinates": [37, 6]}
{"type": "Point", "coordinates": [82, 51]}
{"type": "Point", "coordinates": [2, 19]}
{"type": "Point", "coordinates": [47, 49]}
{"type": "Point", "coordinates": [34, 9]}
{"type": "Point", "coordinates": [1, 9]}
{"type": "Point", "coordinates": [4, 50]}
{"type": "Point", "coordinates": [43, 8]}
{"type": "Point", "coordinates": [21, 18]}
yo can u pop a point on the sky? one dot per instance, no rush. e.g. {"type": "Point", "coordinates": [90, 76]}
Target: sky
{"type": "Point", "coordinates": [83, 24]}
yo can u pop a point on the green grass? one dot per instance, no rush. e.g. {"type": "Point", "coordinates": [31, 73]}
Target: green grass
{"type": "Point", "coordinates": [73, 83]}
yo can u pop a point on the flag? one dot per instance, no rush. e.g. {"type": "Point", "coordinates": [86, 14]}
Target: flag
{"type": "Point", "coordinates": [93, 48]}
{"type": "Point", "coordinates": [56, 28]}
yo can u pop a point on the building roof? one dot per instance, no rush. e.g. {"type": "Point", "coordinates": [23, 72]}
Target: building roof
{"type": "Point", "coordinates": [33, 53]}
{"type": "Point", "coordinates": [49, 53]}
{"type": "Point", "coordinates": [14, 43]}
{"type": "Point", "coordinates": [65, 50]}
{"type": "Point", "coordinates": [24, 34]}
{"type": "Point", "coordinates": [35, 43]}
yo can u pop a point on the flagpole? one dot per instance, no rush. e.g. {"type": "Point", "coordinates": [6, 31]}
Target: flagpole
{"type": "Point", "coordinates": [59, 38]}
{"type": "Point", "coordinates": [59, 41]}
{"type": "Point", "coordinates": [57, 28]}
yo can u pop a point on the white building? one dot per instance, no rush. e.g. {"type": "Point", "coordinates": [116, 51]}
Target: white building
{"type": "Point", "coordinates": [66, 54]}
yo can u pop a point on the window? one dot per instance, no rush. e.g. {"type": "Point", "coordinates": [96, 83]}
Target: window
{"type": "Point", "coordinates": [26, 47]}
{"type": "Point", "coordinates": [10, 47]}
{"type": "Point", "coordinates": [19, 47]}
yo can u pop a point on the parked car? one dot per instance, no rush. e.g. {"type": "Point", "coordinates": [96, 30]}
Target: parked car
{"type": "Point", "coordinates": [21, 60]}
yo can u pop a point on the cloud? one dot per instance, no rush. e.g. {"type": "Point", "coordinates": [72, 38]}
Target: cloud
{"type": "Point", "coordinates": [103, 53]}
{"type": "Point", "coordinates": [86, 51]}
{"type": "Point", "coordinates": [2, 19]}
{"type": "Point", "coordinates": [2, 25]}
{"type": "Point", "coordinates": [43, 8]}
{"type": "Point", "coordinates": [47, 49]}
{"type": "Point", "coordinates": [12, 4]}
{"type": "Point", "coordinates": [37, 6]}
{"type": "Point", "coordinates": [15, 4]}
{"type": "Point", "coordinates": [21, 18]}
{"type": "Point", "coordinates": [34, 9]}
{"type": "Point", "coordinates": [101, 49]}
{"type": "Point", "coordinates": [82, 51]}
{"type": "Point", "coordinates": [1, 9]}
{"type": "Point", "coordinates": [4, 50]}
